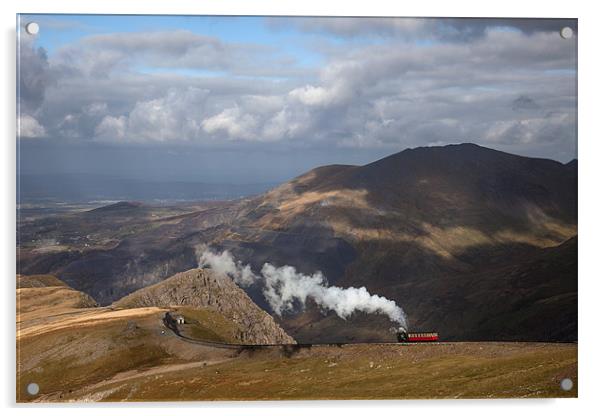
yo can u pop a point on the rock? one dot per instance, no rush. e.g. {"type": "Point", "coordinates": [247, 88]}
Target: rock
{"type": "Point", "coordinates": [203, 288]}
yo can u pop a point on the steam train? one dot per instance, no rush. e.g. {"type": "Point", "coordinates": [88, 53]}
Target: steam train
{"type": "Point", "coordinates": [403, 336]}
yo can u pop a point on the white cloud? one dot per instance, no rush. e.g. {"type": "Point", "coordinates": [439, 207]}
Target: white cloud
{"type": "Point", "coordinates": [29, 127]}
{"type": "Point", "coordinates": [233, 123]}
{"type": "Point", "coordinates": [551, 127]}
{"type": "Point", "coordinates": [112, 128]}
{"type": "Point", "coordinates": [310, 95]}
{"type": "Point", "coordinates": [287, 124]}
{"type": "Point", "coordinates": [172, 117]}
{"type": "Point", "coordinates": [96, 108]}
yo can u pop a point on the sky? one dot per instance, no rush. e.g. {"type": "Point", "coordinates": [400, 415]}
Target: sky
{"type": "Point", "coordinates": [263, 99]}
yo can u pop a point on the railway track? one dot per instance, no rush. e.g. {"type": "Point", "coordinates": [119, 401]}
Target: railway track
{"type": "Point", "coordinates": [332, 344]}
{"type": "Point", "coordinates": [239, 346]}
{"type": "Point", "coordinates": [267, 346]}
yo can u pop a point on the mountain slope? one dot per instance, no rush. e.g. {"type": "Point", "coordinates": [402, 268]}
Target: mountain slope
{"type": "Point", "coordinates": [404, 226]}
{"type": "Point", "coordinates": [41, 295]}
{"type": "Point", "coordinates": [204, 289]}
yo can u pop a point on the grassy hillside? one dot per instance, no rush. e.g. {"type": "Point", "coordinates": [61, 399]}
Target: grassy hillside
{"type": "Point", "coordinates": [476, 370]}
{"type": "Point", "coordinates": [207, 325]}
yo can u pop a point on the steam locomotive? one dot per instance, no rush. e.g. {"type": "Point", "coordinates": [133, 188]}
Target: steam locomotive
{"type": "Point", "coordinates": [403, 336]}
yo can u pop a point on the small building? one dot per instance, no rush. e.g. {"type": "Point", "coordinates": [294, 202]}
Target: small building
{"type": "Point", "coordinates": [179, 319]}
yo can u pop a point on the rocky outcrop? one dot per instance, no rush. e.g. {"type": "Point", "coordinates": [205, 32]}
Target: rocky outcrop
{"type": "Point", "coordinates": [203, 288]}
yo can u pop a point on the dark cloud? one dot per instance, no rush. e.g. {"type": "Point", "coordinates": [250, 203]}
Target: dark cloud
{"type": "Point", "coordinates": [34, 76]}
{"type": "Point", "coordinates": [441, 29]}
{"type": "Point", "coordinates": [524, 103]}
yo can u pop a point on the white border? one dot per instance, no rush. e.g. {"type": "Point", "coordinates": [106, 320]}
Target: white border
{"type": "Point", "coordinates": [589, 155]}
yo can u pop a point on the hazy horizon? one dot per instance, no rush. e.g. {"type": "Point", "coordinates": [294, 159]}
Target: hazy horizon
{"type": "Point", "coordinates": [87, 187]}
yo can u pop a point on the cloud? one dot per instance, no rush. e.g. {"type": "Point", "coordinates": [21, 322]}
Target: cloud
{"type": "Point", "coordinates": [100, 55]}
{"type": "Point", "coordinates": [552, 127]}
{"type": "Point", "coordinates": [416, 95]}
{"type": "Point", "coordinates": [320, 96]}
{"type": "Point", "coordinates": [112, 128]}
{"type": "Point", "coordinates": [438, 29]}
{"type": "Point", "coordinates": [29, 128]}
{"type": "Point", "coordinates": [34, 75]}
{"type": "Point", "coordinates": [234, 123]}
{"type": "Point", "coordinates": [173, 117]}
{"type": "Point", "coordinates": [524, 103]}
{"type": "Point", "coordinates": [378, 97]}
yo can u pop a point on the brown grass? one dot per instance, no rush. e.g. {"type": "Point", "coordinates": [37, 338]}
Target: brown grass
{"type": "Point", "coordinates": [42, 302]}
{"type": "Point", "coordinates": [370, 372]}
{"type": "Point", "coordinates": [83, 318]}
{"type": "Point", "coordinates": [208, 325]}
{"type": "Point", "coordinates": [70, 359]}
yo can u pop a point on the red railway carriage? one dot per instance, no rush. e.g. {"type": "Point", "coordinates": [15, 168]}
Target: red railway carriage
{"type": "Point", "coordinates": [417, 336]}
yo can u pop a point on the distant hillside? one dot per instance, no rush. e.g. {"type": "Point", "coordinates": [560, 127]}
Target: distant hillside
{"type": "Point", "coordinates": [203, 289]}
{"type": "Point", "coordinates": [41, 295]}
{"type": "Point", "coordinates": [118, 207]}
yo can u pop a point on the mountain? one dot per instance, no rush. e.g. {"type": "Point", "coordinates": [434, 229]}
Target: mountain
{"type": "Point", "coordinates": [204, 289]}
{"type": "Point", "coordinates": [419, 227]}
{"type": "Point", "coordinates": [472, 242]}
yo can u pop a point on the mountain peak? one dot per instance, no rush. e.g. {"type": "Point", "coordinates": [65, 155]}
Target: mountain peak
{"type": "Point", "coordinates": [205, 289]}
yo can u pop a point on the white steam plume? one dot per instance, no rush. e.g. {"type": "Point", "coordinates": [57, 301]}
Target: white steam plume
{"type": "Point", "coordinates": [224, 263]}
{"type": "Point", "coordinates": [282, 286]}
